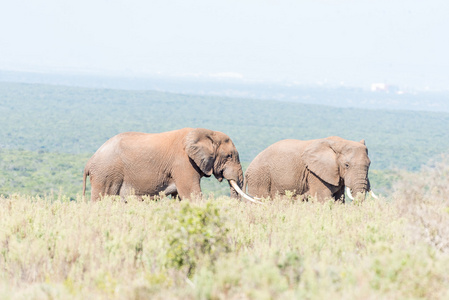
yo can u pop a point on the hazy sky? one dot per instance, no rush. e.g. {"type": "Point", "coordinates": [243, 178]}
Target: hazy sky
{"type": "Point", "coordinates": [351, 42]}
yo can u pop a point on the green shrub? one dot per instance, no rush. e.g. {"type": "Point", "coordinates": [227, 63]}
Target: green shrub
{"type": "Point", "coordinates": [290, 266]}
{"type": "Point", "coordinates": [195, 234]}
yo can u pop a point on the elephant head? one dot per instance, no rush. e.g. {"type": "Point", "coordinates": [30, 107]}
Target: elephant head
{"type": "Point", "coordinates": [340, 162]}
{"type": "Point", "coordinates": [213, 152]}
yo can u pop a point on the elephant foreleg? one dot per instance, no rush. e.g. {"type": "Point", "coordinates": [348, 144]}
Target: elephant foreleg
{"type": "Point", "coordinates": [189, 192]}
{"type": "Point", "coordinates": [259, 186]}
{"type": "Point", "coordinates": [187, 187]}
{"type": "Point", "coordinates": [319, 188]}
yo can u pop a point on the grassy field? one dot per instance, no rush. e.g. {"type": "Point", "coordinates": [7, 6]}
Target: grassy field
{"type": "Point", "coordinates": [56, 245]}
{"type": "Point", "coordinates": [219, 248]}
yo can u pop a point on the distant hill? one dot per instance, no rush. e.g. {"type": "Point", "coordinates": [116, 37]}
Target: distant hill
{"type": "Point", "coordinates": [78, 120]}
{"type": "Point", "coordinates": [339, 96]}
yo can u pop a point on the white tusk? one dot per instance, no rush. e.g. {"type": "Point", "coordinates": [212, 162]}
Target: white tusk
{"type": "Point", "coordinates": [373, 195]}
{"type": "Point", "coordinates": [241, 193]}
{"type": "Point", "coordinates": [348, 191]}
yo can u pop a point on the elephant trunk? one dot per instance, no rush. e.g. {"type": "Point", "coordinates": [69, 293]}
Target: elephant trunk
{"type": "Point", "coordinates": [232, 172]}
{"type": "Point", "coordinates": [359, 188]}
{"type": "Point", "coordinates": [237, 177]}
{"type": "Point", "coordinates": [371, 191]}
{"type": "Point", "coordinates": [235, 180]}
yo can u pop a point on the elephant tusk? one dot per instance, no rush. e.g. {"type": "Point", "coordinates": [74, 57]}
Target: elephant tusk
{"type": "Point", "coordinates": [241, 193]}
{"type": "Point", "coordinates": [348, 191]}
{"type": "Point", "coordinates": [373, 195]}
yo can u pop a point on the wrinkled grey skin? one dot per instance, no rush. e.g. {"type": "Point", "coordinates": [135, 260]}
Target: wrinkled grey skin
{"type": "Point", "coordinates": [173, 162]}
{"type": "Point", "coordinates": [318, 168]}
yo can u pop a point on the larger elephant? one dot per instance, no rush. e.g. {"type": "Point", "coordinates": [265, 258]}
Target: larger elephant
{"type": "Point", "coordinates": [319, 168]}
{"type": "Point", "coordinates": [135, 163]}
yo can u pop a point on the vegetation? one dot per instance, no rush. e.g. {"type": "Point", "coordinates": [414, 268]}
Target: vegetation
{"type": "Point", "coordinates": [41, 173]}
{"type": "Point", "coordinates": [47, 133]}
{"type": "Point", "coordinates": [54, 244]}
{"type": "Point", "coordinates": [78, 120]}
{"type": "Point", "coordinates": [220, 248]}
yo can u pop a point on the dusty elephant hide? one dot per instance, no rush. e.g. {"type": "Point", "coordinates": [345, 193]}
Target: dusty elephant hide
{"type": "Point", "coordinates": [319, 168]}
{"type": "Point", "coordinates": [135, 163]}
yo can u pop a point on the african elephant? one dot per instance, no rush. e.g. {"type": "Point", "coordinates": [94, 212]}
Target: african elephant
{"type": "Point", "coordinates": [320, 168]}
{"type": "Point", "coordinates": [135, 163]}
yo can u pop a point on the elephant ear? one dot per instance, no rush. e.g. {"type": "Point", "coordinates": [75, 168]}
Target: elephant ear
{"type": "Point", "coordinates": [321, 159]}
{"type": "Point", "coordinates": [199, 147]}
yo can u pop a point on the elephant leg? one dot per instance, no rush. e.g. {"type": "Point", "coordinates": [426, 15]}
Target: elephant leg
{"type": "Point", "coordinates": [320, 194]}
{"type": "Point", "coordinates": [95, 193]}
{"type": "Point", "coordinates": [257, 191]}
{"type": "Point", "coordinates": [260, 191]}
{"type": "Point", "coordinates": [97, 190]}
{"type": "Point", "coordinates": [187, 187]}
{"type": "Point", "coordinates": [319, 188]}
{"type": "Point", "coordinates": [100, 189]}
{"type": "Point", "coordinates": [259, 186]}
{"type": "Point", "coordinates": [189, 192]}
{"type": "Point", "coordinates": [275, 193]}
{"type": "Point", "coordinates": [123, 190]}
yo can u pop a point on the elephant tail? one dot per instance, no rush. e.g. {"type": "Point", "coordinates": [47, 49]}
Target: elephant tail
{"type": "Point", "coordinates": [86, 173]}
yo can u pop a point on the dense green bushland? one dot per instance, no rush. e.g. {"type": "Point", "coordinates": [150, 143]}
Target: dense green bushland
{"type": "Point", "coordinates": [79, 120]}
{"type": "Point", "coordinates": [41, 173]}
{"type": "Point", "coordinates": [220, 248]}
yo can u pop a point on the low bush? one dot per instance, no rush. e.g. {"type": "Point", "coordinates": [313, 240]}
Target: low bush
{"type": "Point", "coordinates": [195, 233]}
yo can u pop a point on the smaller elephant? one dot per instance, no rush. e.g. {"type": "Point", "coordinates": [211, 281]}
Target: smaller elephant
{"type": "Point", "coordinates": [135, 163]}
{"type": "Point", "coordinates": [319, 168]}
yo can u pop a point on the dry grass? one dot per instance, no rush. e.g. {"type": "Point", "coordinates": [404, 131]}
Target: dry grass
{"type": "Point", "coordinates": [224, 249]}
{"type": "Point", "coordinates": [424, 198]}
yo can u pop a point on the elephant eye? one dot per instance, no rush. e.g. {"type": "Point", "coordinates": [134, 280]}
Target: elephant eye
{"type": "Point", "coordinates": [229, 156]}
{"type": "Point", "coordinates": [346, 165]}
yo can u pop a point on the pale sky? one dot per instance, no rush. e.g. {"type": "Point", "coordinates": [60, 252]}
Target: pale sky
{"type": "Point", "coordinates": [350, 42]}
